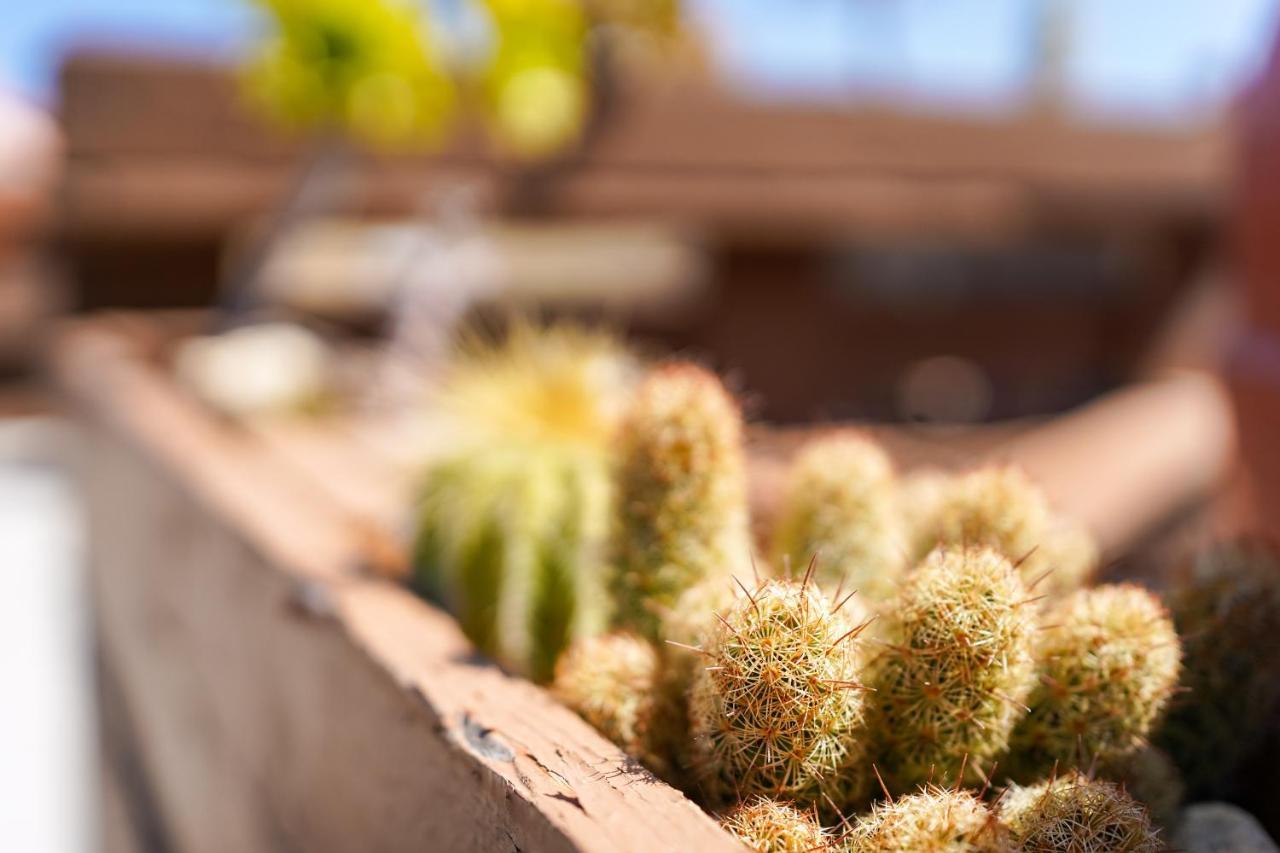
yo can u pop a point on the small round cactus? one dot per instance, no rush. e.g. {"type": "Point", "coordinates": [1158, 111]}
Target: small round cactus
{"type": "Point", "coordinates": [681, 502]}
{"type": "Point", "coordinates": [1108, 661]}
{"type": "Point", "coordinates": [997, 506]}
{"type": "Point", "coordinates": [840, 503]}
{"type": "Point", "coordinates": [611, 681]}
{"type": "Point", "coordinates": [955, 666]}
{"type": "Point", "coordinates": [769, 826]}
{"type": "Point", "coordinates": [1078, 814]}
{"type": "Point", "coordinates": [932, 820]}
{"type": "Point", "coordinates": [1150, 777]}
{"type": "Point", "coordinates": [778, 708]}
{"type": "Point", "coordinates": [1227, 608]}
{"type": "Point", "coordinates": [1066, 558]}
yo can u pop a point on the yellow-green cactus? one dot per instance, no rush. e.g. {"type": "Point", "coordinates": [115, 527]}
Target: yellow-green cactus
{"type": "Point", "coordinates": [681, 513]}
{"type": "Point", "coordinates": [1065, 560]}
{"type": "Point", "coordinates": [612, 682]}
{"type": "Point", "coordinates": [1108, 661]}
{"type": "Point", "coordinates": [1077, 814]}
{"type": "Point", "coordinates": [997, 506]}
{"type": "Point", "coordinates": [932, 820]}
{"type": "Point", "coordinates": [955, 667]}
{"type": "Point", "coordinates": [513, 514]}
{"type": "Point", "coordinates": [1226, 606]}
{"type": "Point", "coordinates": [778, 708]}
{"type": "Point", "coordinates": [768, 826]}
{"type": "Point", "coordinates": [840, 504]}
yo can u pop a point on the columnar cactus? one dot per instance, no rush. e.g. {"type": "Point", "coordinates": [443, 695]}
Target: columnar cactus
{"type": "Point", "coordinates": [681, 503]}
{"type": "Point", "coordinates": [1078, 814]}
{"type": "Point", "coordinates": [1108, 661]}
{"type": "Point", "coordinates": [955, 666]}
{"type": "Point", "coordinates": [1226, 607]}
{"type": "Point", "coordinates": [996, 506]}
{"type": "Point", "coordinates": [840, 503]}
{"type": "Point", "coordinates": [513, 514]}
{"type": "Point", "coordinates": [612, 682]}
{"type": "Point", "coordinates": [769, 826]}
{"type": "Point", "coordinates": [932, 820]}
{"type": "Point", "coordinates": [778, 708]}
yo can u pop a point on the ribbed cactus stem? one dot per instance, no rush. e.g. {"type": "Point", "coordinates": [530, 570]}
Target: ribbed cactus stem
{"type": "Point", "coordinates": [1108, 661]}
{"type": "Point", "coordinates": [681, 494]}
{"type": "Point", "coordinates": [840, 503]}
{"type": "Point", "coordinates": [954, 669]}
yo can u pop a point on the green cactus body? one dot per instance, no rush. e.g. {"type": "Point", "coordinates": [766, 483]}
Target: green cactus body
{"type": "Point", "coordinates": [512, 518]}
{"type": "Point", "coordinates": [1227, 609]}
{"type": "Point", "coordinates": [1078, 814]}
{"type": "Point", "coordinates": [840, 504]}
{"type": "Point", "coordinates": [1108, 661]}
{"type": "Point", "coordinates": [777, 710]}
{"type": "Point", "coordinates": [611, 681]}
{"type": "Point", "coordinates": [955, 666]}
{"type": "Point", "coordinates": [681, 502]}
{"type": "Point", "coordinates": [932, 820]}
{"type": "Point", "coordinates": [768, 826]}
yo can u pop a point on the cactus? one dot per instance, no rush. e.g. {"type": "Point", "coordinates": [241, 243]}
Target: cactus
{"type": "Point", "coordinates": [612, 681]}
{"type": "Point", "coordinates": [1150, 777]}
{"type": "Point", "coordinates": [1078, 814]}
{"type": "Point", "coordinates": [955, 666]}
{"type": "Point", "coordinates": [681, 503]}
{"type": "Point", "coordinates": [512, 518]}
{"type": "Point", "coordinates": [769, 826]}
{"type": "Point", "coordinates": [1226, 606]}
{"type": "Point", "coordinates": [932, 820]}
{"type": "Point", "coordinates": [778, 709]}
{"type": "Point", "coordinates": [1108, 661]}
{"type": "Point", "coordinates": [996, 506]}
{"type": "Point", "coordinates": [840, 503]}
{"type": "Point", "coordinates": [1065, 560]}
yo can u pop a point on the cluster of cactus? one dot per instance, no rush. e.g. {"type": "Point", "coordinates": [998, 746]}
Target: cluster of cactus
{"type": "Point", "coordinates": [512, 518]}
{"type": "Point", "coordinates": [775, 694]}
{"type": "Point", "coordinates": [1226, 605]}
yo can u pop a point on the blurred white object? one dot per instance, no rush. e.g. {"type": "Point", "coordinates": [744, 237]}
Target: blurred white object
{"type": "Point", "coordinates": [261, 369]}
{"type": "Point", "coordinates": [46, 730]}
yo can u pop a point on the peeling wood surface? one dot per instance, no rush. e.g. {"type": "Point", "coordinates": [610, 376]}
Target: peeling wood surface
{"type": "Point", "coordinates": [286, 702]}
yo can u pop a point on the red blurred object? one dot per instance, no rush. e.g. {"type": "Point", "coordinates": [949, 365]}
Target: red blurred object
{"type": "Point", "coordinates": [1255, 362]}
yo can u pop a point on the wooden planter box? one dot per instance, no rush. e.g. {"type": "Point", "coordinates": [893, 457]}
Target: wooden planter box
{"type": "Point", "coordinates": [264, 691]}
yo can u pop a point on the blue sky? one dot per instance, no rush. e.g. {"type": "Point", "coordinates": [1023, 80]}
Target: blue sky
{"type": "Point", "coordinates": [1150, 59]}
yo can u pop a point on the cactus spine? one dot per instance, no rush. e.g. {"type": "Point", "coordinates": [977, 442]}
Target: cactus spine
{"type": "Point", "coordinates": [1108, 661]}
{"type": "Point", "coordinates": [840, 504]}
{"type": "Point", "coordinates": [681, 504]}
{"type": "Point", "coordinates": [513, 515]}
{"type": "Point", "coordinates": [778, 709]}
{"type": "Point", "coordinates": [932, 820]}
{"type": "Point", "coordinates": [955, 666]}
{"type": "Point", "coordinates": [1150, 777]}
{"type": "Point", "coordinates": [997, 506]}
{"type": "Point", "coordinates": [1227, 609]}
{"type": "Point", "coordinates": [769, 826]}
{"type": "Point", "coordinates": [1078, 814]}
{"type": "Point", "coordinates": [612, 681]}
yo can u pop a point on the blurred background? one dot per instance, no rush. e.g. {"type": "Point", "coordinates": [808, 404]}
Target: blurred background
{"type": "Point", "coordinates": [917, 213]}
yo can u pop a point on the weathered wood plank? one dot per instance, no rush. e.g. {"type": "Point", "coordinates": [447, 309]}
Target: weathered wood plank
{"type": "Point", "coordinates": [286, 703]}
